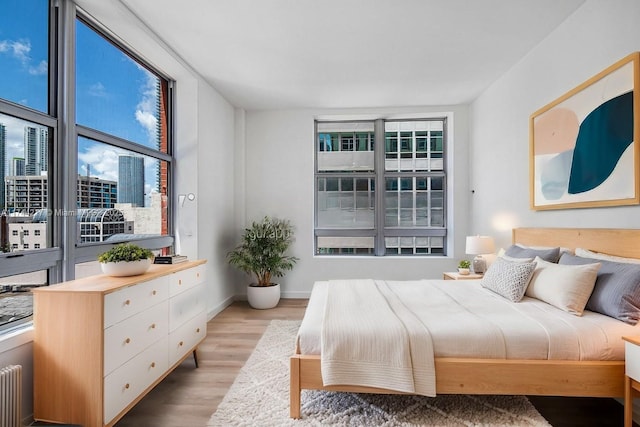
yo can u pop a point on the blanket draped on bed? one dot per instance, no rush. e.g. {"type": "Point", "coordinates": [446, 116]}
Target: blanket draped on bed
{"type": "Point", "coordinates": [370, 339]}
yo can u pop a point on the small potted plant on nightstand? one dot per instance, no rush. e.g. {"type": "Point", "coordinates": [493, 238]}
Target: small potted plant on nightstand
{"type": "Point", "coordinates": [463, 267]}
{"type": "Point", "coordinates": [125, 259]}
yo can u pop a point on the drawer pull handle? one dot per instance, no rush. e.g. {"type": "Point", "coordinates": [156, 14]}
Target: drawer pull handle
{"type": "Point", "coordinates": [126, 386]}
{"type": "Point", "coordinates": [153, 326]}
{"type": "Point", "coordinates": [179, 281]}
{"type": "Point", "coordinates": [127, 302]}
{"type": "Point", "coordinates": [127, 341]}
{"type": "Point", "coordinates": [181, 344]}
{"type": "Point", "coordinates": [198, 330]}
{"type": "Point", "coordinates": [154, 292]}
{"type": "Point", "coordinates": [153, 364]}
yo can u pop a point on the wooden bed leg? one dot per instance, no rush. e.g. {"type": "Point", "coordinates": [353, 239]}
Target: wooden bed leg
{"type": "Point", "coordinates": [294, 387]}
{"type": "Point", "coordinates": [628, 402]}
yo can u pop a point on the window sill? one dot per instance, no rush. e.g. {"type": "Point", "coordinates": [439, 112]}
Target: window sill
{"type": "Point", "coordinates": [16, 338]}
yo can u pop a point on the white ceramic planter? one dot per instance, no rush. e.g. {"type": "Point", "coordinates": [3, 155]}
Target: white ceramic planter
{"type": "Point", "coordinates": [263, 297]}
{"type": "Point", "coordinates": [463, 271]}
{"type": "Point", "coordinates": [121, 269]}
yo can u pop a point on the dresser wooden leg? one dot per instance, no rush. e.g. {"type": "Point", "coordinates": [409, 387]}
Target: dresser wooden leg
{"type": "Point", "coordinates": [195, 356]}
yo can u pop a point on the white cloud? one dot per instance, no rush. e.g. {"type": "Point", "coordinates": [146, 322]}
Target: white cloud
{"type": "Point", "coordinates": [21, 50]}
{"type": "Point", "coordinates": [18, 49]}
{"type": "Point", "coordinates": [103, 162]}
{"type": "Point", "coordinates": [146, 109]}
{"type": "Point", "coordinates": [98, 90]}
{"type": "Point", "coordinates": [41, 69]}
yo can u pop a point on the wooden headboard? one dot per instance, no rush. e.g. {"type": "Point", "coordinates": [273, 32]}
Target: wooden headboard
{"type": "Point", "coordinates": [612, 241]}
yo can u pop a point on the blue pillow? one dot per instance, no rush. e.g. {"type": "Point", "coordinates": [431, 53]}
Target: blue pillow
{"type": "Point", "coordinates": [550, 254]}
{"type": "Point", "coordinates": [617, 289]}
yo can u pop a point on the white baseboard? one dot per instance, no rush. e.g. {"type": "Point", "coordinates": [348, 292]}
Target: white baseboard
{"type": "Point", "coordinates": [218, 308]}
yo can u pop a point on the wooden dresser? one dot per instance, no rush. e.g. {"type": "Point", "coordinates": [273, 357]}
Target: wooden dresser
{"type": "Point", "coordinates": [101, 343]}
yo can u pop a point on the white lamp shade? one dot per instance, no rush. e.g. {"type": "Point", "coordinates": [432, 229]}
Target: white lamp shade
{"type": "Point", "coordinates": [477, 245]}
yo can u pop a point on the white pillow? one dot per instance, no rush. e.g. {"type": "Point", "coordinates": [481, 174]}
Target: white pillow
{"type": "Point", "coordinates": [508, 279]}
{"type": "Point", "coordinates": [512, 259]}
{"type": "Point", "coordinates": [586, 253]}
{"type": "Point", "coordinates": [567, 287]}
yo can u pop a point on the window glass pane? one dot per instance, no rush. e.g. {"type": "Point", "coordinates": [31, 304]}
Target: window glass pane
{"type": "Point", "coordinates": [345, 146]}
{"type": "Point", "coordinates": [414, 245]}
{"type": "Point", "coordinates": [119, 192]}
{"type": "Point", "coordinates": [24, 53]}
{"type": "Point", "coordinates": [420, 146]}
{"type": "Point", "coordinates": [347, 208]}
{"type": "Point", "coordinates": [24, 193]}
{"type": "Point", "coordinates": [336, 245]}
{"type": "Point", "coordinates": [116, 94]}
{"type": "Point", "coordinates": [391, 145]}
{"type": "Point", "coordinates": [16, 299]}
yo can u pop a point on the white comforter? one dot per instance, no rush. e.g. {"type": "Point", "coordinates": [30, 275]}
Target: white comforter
{"type": "Point", "coordinates": [370, 338]}
{"type": "Point", "coordinates": [465, 320]}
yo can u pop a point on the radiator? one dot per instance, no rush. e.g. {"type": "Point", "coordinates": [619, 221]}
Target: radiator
{"type": "Point", "coordinates": [11, 396]}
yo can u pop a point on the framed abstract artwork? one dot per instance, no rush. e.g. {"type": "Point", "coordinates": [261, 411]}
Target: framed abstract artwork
{"type": "Point", "coordinates": [584, 146]}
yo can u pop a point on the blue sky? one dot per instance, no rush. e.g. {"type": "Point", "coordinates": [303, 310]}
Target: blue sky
{"type": "Point", "coordinates": [114, 93]}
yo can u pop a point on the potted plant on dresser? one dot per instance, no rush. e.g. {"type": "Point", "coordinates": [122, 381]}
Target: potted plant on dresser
{"type": "Point", "coordinates": [262, 253]}
{"type": "Point", "coordinates": [125, 259]}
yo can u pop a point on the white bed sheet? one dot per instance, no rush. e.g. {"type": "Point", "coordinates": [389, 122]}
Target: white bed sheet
{"type": "Point", "coordinates": [466, 320]}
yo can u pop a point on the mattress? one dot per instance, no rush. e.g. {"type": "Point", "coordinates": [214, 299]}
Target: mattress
{"type": "Point", "coordinates": [468, 321]}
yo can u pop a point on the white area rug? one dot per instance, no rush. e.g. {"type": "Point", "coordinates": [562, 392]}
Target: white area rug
{"type": "Point", "coordinates": [260, 397]}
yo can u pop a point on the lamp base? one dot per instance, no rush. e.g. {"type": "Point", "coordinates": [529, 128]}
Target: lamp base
{"type": "Point", "coordinates": [479, 265]}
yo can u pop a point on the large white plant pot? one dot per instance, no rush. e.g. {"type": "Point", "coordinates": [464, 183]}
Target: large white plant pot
{"type": "Point", "coordinates": [263, 297]}
{"type": "Point", "coordinates": [125, 268]}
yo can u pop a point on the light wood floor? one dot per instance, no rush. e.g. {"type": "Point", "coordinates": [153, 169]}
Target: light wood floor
{"type": "Point", "coordinates": [188, 396]}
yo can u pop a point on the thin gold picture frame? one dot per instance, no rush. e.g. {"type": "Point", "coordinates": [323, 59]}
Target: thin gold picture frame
{"type": "Point", "coordinates": [577, 152]}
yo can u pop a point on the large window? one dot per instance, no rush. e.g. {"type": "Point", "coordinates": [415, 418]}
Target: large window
{"type": "Point", "coordinates": [68, 192]}
{"type": "Point", "coordinates": [405, 160]}
{"type": "Point", "coordinates": [123, 158]}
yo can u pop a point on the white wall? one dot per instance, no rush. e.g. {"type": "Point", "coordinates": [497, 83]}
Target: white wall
{"type": "Point", "coordinates": [598, 34]}
{"type": "Point", "coordinates": [279, 182]}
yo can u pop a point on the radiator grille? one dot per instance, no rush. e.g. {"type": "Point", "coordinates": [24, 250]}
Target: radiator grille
{"type": "Point", "coordinates": [10, 396]}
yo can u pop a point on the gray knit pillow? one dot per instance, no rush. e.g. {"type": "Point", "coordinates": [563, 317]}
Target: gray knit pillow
{"type": "Point", "coordinates": [508, 279]}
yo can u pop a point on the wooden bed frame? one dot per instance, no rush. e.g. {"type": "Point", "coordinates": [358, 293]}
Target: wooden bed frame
{"type": "Point", "coordinates": [502, 376]}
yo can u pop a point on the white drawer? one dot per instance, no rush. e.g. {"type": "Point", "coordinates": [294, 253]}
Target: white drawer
{"type": "Point", "coordinates": [185, 306]}
{"type": "Point", "coordinates": [185, 338]}
{"type": "Point", "coordinates": [632, 360]}
{"type": "Point", "coordinates": [133, 299]}
{"type": "Point", "coordinates": [125, 384]}
{"type": "Point", "coordinates": [124, 340]}
{"type": "Point", "coordinates": [180, 281]}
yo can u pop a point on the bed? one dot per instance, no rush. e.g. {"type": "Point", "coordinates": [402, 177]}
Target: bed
{"type": "Point", "coordinates": [590, 375]}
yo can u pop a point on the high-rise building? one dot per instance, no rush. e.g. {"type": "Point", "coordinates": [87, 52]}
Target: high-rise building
{"type": "Point", "coordinates": [3, 162]}
{"type": "Point", "coordinates": [36, 151]}
{"type": "Point", "coordinates": [131, 179]}
{"type": "Point", "coordinates": [17, 167]}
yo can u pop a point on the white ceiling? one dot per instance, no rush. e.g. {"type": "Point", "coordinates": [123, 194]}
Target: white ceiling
{"type": "Point", "coordinates": [272, 54]}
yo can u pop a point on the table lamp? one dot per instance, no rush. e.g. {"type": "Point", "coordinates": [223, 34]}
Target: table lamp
{"type": "Point", "coordinates": [479, 245]}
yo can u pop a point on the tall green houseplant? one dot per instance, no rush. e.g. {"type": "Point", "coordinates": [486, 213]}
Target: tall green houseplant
{"type": "Point", "coordinates": [262, 251]}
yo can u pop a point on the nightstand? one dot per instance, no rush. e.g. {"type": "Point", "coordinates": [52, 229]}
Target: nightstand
{"type": "Point", "coordinates": [631, 377]}
{"type": "Point", "coordinates": [453, 275]}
